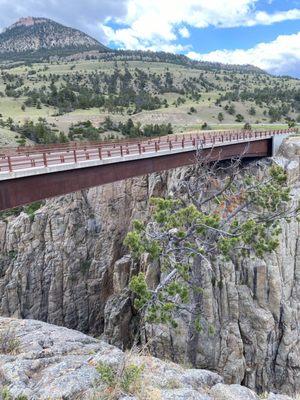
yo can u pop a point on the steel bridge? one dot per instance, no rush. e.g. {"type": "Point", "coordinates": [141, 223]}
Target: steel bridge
{"type": "Point", "coordinates": [32, 173]}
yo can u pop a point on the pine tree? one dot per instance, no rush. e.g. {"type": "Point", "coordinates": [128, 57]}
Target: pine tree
{"type": "Point", "coordinates": [220, 213]}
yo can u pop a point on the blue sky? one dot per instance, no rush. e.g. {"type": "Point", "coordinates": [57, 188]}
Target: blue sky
{"type": "Point", "coordinates": [212, 38]}
{"type": "Point", "coordinates": [247, 37]}
{"type": "Point", "coordinates": [265, 33]}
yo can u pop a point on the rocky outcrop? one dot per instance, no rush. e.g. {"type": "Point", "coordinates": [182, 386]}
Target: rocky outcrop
{"type": "Point", "coordinates": [32, 34]}
{"type": "Point", "coordinates": [58, 267]}
{"type": "Point", "coordinates": [67, 266]}
{"type": "Point", "coordinates": [49, 362]}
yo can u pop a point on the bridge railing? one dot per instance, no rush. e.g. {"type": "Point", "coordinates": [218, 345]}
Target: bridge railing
{"type": "Point", "coordinates": [85, 145]}
{"type": "Point", "coordinates": [41, 156]}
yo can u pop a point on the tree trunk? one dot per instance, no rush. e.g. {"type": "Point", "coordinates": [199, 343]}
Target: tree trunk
{"type": "Point", "coordinates": [196, 305]}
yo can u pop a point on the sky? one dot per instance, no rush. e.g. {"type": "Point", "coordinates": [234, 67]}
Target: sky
{"type": "Point", "coordinates": [265, 33]}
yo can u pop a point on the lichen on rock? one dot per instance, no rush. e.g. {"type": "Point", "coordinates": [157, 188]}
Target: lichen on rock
{"type": "Point", "coordinates": [54, 362]}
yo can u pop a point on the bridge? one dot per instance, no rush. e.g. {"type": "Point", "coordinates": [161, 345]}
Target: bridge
{"type": "Point", "coordinates": [32, 173]}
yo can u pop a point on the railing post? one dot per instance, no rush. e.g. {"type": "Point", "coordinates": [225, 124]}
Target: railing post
{"type": "Point", "coordinates": [156, 146]}
{"type": "Point", "coordinates": [100, 153]}
{"type": "Point", "coordinates": [170, 144]}
{"type": "Point", "coordinates": [9, 164]}
{"type": "Point", "coordinates": [140, 148]}
{"type": "Point", "coordinates": [45, 159]}
{"type": "Point", "coordinates": [75, 156]}
{"type": "Point", "coordinates": [182, 143]}
{"type": "Point", "coordinates": [121, 150]}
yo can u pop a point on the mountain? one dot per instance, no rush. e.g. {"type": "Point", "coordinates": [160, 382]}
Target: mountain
{"type": "Point", "coordinates": [35, 37]}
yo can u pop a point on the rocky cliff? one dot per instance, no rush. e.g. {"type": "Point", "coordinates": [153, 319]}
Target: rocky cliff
{"type": "Point", "coordinates": [67, 266]}
{"type": "Point", "coordinates": [42, 361]}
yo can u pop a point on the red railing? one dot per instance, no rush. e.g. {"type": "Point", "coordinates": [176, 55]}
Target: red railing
{"type": "Point", "coordinates": [13, 159]}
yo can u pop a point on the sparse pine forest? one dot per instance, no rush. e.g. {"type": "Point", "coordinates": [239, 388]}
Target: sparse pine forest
{"type": "Point", "coordinates": [63, 95]}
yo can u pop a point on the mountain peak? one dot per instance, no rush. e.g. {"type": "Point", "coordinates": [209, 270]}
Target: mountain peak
{"type": "Point", "coordinates": [42, 35]}
{"type": "Point", "coordinates": [27, 21]}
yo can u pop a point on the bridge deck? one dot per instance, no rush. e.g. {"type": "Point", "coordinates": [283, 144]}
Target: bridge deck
{"type": "Point", "coordinates": [37, 173]}
{"type": "Point", "coordinates": [22, 162]}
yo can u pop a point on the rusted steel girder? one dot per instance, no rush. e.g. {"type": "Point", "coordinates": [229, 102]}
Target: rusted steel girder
{"type": "Point", "coordinates": [21, 191]}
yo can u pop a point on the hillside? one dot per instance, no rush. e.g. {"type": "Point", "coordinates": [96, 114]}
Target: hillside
{"type": "Point", "coordinates": [160, 56]}
{"type": "Point", "coordinates": [68, 82]}
{"type": "Point", "coordinates": [65, 93]}
{"type": "Point", "coordinates": [35, 37]}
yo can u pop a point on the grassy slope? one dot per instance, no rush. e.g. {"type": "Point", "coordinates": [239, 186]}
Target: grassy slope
{"type": "Point", "coordinates": [207, 111]}
{"type": "Point", "coordinates": [9, 138]}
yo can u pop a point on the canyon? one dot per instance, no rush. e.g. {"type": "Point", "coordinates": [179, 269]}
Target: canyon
{"type": "Point", "coordinates": [67, 265]}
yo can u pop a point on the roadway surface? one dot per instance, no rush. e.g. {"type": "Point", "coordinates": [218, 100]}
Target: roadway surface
{"type": "Point", "coordinates": [33, 160]}
{"type": "Point", "coordinates": [29, 174]}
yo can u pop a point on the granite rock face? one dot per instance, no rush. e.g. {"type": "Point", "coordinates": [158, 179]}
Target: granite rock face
{"type": "Point", "coordinates": [59, 267]}
{"type": "Point", "coordinates": [254, 309]}
{"type": "Point", "coordinates": [67, 266]}
{"type": "Point", "coordinates": [62, 265]}
{"type": "Point", "coordinates": [51, 362]}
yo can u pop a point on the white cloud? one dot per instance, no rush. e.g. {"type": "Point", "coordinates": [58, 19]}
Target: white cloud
{"type": "Point", "coordinates": [264, 18]}
{"type": "Point", "coordinates": [184, 32]}
{"type": "Point", "coordinates": [160, 24]}
{"type": "Point", "coordinates": [279, 56]}
{"type": "Point", "coordinates": [198, 56]}
{"type": "Point", "coordinates": [154, 22]}
{"type": "Point", "coordinates": [150, 23]}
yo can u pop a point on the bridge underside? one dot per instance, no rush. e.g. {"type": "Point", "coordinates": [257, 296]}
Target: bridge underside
{"type": "Point", "coordinates": [21, 191]}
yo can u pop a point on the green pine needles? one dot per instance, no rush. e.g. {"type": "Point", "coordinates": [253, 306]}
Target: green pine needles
{"type": "Point", "coordinates": [221, 212]}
